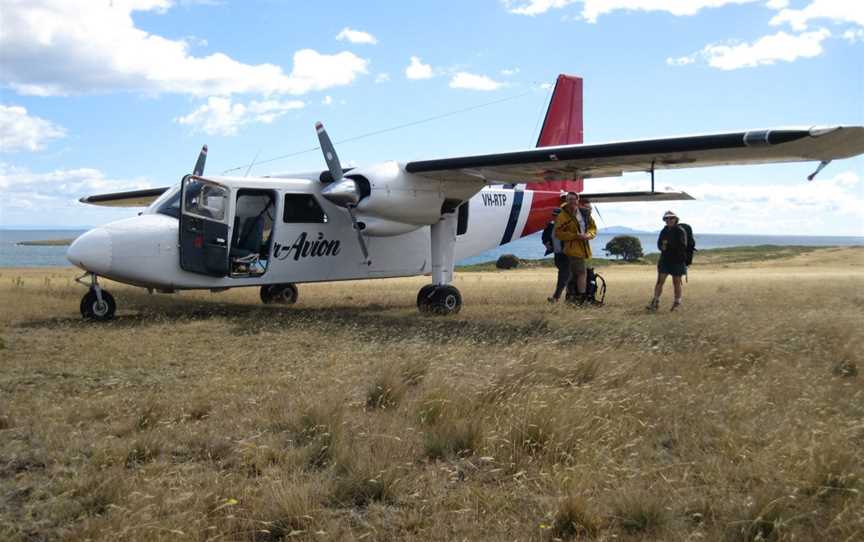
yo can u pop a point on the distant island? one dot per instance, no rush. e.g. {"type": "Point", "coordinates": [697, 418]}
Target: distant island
{"type": "Point", "coordinates": [46, 243]}
{"type": "Point", "coordinates": [623, 230]}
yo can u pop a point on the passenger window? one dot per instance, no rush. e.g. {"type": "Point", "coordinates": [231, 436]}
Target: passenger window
{"type": "Point", "coordinates": [303, 208]}
{"type": "Point", "coordinates": [205, 200]}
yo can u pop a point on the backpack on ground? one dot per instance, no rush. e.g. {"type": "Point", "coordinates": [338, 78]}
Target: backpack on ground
{"type": "Point", "coordinates": [689, 243]}
{"type": "Point", "coordinates": [595, 289]}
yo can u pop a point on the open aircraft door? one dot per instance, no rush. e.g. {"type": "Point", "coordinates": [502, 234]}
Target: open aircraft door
{"type": "Point", "coordinates": [204, 231]}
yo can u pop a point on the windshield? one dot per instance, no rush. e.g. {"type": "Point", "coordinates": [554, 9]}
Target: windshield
{"type": "Point", "coordinates": [168, 203]}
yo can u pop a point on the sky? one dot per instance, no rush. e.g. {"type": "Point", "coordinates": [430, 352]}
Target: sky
{"type": "Point", "coordinates": [100, 96]}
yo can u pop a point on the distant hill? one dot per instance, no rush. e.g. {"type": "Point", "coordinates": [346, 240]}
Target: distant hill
{"type": "Point", "coordinates": [616, 230]}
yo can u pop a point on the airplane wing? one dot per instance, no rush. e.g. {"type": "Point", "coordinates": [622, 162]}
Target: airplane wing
{"type": "Point", "coordinates": [131, 198]}
{"type": "Point", "coordinates": [620, 197]}
{"type": "Point", "coordinates": [612, 159]}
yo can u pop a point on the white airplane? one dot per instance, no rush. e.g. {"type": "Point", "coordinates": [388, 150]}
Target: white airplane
{"type": "Point", "coordinates": [393, 219]}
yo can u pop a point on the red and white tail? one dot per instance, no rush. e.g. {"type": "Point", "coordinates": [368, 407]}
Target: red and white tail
{"type": "Point", "coordinates": [562, 126]}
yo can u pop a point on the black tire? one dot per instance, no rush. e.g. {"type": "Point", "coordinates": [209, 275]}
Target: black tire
{"type": "Point", "coordinates": [279, 294]}
{"type": "Point", "coordinates": [93, 309]}
{"type": "Point", "coordinates": [445, 300]}
{"type": "Point", "coordinates": [424, 297]}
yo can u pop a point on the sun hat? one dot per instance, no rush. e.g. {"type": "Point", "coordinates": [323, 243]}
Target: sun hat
{"type": "Point", "coordinates": [670, 214]}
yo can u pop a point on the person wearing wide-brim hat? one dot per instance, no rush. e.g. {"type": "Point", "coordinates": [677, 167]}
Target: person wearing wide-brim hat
{"type": "Point", "coordinates": [672, 244]}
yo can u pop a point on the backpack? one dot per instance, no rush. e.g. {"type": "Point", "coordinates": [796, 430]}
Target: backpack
{"type": "Point", "coordinates": [595, 288]}
{"type": "Point", "coordinates": [689, 243]}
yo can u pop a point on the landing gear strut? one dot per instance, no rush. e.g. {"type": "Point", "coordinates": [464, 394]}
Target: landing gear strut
{"type": "Point", "coordinates": [97, 304]}
{"type": "Point", "coordinates": [440, 297]}
{"type": "Point", "coordinates": [280, 294]}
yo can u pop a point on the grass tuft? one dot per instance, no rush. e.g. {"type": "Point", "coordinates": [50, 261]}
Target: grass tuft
{"type": "Point", "coordinates": [386, 391]}
{"type": "Point", "coordinates": [640, 512]}
{"type": "Point", "coordinates": [288, 510]}
{"type": "Point", "coordinates": [765, 519]}
{"type": "Point", "coordinates": [574, 519]}
{"type": "Point", "coordinates": [142, 450]}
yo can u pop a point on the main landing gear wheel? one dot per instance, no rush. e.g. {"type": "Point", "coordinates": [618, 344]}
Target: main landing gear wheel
{"type": "Point", "coordinates": [439, 299]}
{"type": "Point", "coordinates": [280, 294]}
{"type": "Point", "coordinates": [94, 309]}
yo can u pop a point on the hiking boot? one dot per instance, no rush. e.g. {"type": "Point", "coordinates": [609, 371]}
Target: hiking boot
{"type": "Point", "coordinates": [552, 299]}
{"type": "Point", "coordinates": [653, 305]}
{"type": "Point", "coordinates": [675, 305]}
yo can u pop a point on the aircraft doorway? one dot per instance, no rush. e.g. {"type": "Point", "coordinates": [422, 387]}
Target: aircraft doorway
{"type": "Point", "coordinates": [252, 233]}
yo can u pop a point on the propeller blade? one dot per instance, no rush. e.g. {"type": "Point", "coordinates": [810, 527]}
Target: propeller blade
{"type": "Point", "coordinates": [360, 238]}
{"type": "Point", "coordinates": [199, 165]}
{"type": "Point", "coordinates": [329, 153]}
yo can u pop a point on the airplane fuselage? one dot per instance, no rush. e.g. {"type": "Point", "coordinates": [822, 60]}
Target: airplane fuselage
{"type": "Point", "coordinates": [145, 250]}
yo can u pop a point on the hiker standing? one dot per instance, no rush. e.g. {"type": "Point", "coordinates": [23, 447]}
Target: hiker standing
{"type": "Point", "coordinates": [672, 244]}
{"type": "Point", "coordinates": [575, 230]}
{"type": "Point", "coordinates": [562, 262]}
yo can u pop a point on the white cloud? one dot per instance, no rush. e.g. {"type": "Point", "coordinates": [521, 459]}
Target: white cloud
{"type": "Point", "coordinates": [31, 198]}
{"type": "Point", "coordinates": [382, 78]}
{"type": "Point", "coordinates": [534, 7]}
{"type": "Point", "coordinates": [825, 206]}
{"type": "Point", "coordinates": [593, 9]}
{"type": "Point", "coordinates": [854, 36]}
{"type": "Point", "coordinates": [681, 61]}
{"type": "Point", "coordinates": [507, 72]}
{"type": "Point", "coordinates": [59, 47]}
{"type": "Point", "coordinates": [417, 70]}
{"type": "Point", "coordinates": [474, 82]}
{"type": "Point", "coordinates": [328, 100]}
{"type": "Point", "coordinates": [838, 11]}
{"type": "Point", "coordinates": [764, 51]}
{"type": "Point", "coordinates": [777, 4]}
{"type": "Point", "coordinates": [60, 185]}
{"type": "Point", "coordinates": [356, 36]}
{"type": "Point", "coordinates": [20, 131]}
{"type": "Point", "coordinates": [221, 116]}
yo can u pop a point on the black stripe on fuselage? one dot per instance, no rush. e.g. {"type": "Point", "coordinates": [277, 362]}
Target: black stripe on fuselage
{"type": "Point", "coordinates": [647, 147]}
{"type": "Point", "coordinates": [515, 210]}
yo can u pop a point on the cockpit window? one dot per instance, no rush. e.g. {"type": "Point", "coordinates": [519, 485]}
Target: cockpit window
{"type": "Point", "coordinates": [205, 200]}
{"type": "Point", "coordinates": [171, 205]}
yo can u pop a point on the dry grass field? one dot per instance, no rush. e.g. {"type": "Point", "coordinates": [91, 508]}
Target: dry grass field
{"type": "Point", "coordinates": [350, 416]}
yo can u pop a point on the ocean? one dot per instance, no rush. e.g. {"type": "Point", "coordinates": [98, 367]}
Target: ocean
{"type": "Point", "coordinates": [14, 255]}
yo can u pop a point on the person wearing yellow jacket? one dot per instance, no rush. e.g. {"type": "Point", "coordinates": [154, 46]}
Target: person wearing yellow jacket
{"type": "Point", "coordinates": [576, 229]}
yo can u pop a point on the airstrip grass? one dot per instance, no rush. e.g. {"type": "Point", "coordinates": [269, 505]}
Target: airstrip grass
{"type": "Point", "coordinates": [350, 416]}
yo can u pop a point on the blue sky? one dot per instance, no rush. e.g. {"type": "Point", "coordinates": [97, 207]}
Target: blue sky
{"type": "Point", "coordinates": [108, 95]}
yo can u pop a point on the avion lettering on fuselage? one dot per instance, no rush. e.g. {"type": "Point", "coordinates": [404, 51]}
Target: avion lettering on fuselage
{"type": "Point", "coordinates": [303, 248]}
{"type": "Point", "coordinates": [494, 200]}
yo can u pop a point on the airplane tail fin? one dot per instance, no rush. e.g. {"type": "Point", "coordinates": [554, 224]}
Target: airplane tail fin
{"type": "Point", "coordinates": [562, 126]}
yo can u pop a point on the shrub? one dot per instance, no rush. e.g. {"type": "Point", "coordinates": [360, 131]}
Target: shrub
{"type": "Point", "coordinates": [625, 246]}
{"type": "Point", "coordinates": [507, 261]}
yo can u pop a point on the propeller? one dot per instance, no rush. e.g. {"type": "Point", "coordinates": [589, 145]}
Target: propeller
{"type": "Point", "coordinates": [342, 191]}
{"type": "Point", "coordinates": [199, 164]}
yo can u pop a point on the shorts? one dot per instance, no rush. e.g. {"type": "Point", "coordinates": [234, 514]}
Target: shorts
{"type": "Point", "coordinates": [674, 269]}
{"type": "Point", "coordinates": [577, 264]}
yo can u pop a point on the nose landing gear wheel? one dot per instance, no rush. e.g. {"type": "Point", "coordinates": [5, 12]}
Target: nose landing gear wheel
{"type": "Point", "coordinates": [439, 299]}
{"type": "Point", "coordinates": [93, 309]}
{"type": "Point", "coordinates": [280, 294]}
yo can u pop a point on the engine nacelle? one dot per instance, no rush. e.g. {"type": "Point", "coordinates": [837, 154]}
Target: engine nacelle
{"type": "Point", "coordinates": [380, 227]}
{"type": "Point", "coordinates": [398, 196]}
